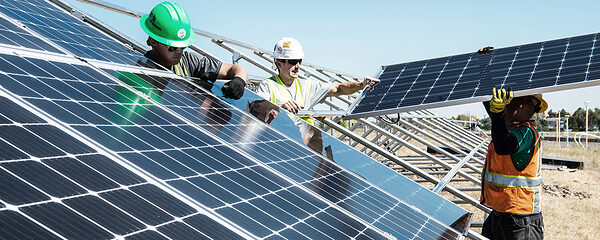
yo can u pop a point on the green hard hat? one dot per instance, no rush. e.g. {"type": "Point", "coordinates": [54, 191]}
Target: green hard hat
{"type": "Point", "coordinates": [168, 24]}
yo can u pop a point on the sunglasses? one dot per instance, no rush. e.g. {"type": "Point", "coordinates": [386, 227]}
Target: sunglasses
{"type": "Point", "coordinates": [291, 61]}
{"type": "Point", "coordinates": [172, 49]}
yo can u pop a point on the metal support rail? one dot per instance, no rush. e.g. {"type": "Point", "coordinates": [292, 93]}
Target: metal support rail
{"type": "Point", "coordinates": [438, 188]}
{"type": "Point", "coordinates": [444, 152]}
{"type": "Point", "coordinates": [426, 154]}
{"type": "Point", "coordinates": [406, 165]}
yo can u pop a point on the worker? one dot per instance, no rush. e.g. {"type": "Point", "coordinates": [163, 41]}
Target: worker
{"type": "Point", "coordinates": [169, 33]}
{"type": "Point", "coordinates": [511, 180]}
{"type": "Point", "coordinates": [286, 90]}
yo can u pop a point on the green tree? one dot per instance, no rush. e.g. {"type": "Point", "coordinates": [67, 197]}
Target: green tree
{"type": "Point", "coordinates": [540, 122]}
{"type": "Point", "coordinates": [577, 121]}
{"type": "Point", "coordinates": [485, 123]}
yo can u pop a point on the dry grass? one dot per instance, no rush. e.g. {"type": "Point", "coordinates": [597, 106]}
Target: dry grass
{"type": "Point", "coordinates": [572, 218]}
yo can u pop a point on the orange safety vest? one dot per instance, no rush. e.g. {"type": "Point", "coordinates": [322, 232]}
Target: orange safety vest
{"type": "Point", "coordinates": [505, 189]}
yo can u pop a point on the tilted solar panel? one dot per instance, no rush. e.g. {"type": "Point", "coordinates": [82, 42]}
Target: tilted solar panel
{"type": "Point", "coordinates": [53, 186]}
{"type": "Point", "coordinates": [68, 32]}
{"type": "Point", "coordinates": [192, 162]}
{"type": "Point", "coordinates": [295, 161]}
{"type": "Point", "coordinates": [531, 68]}
{"type": "Point", "coordinates": [365, 167]}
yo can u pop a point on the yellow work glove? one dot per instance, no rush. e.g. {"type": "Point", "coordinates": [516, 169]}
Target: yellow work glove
{"type": "Point", "coordinates": [500, 100]}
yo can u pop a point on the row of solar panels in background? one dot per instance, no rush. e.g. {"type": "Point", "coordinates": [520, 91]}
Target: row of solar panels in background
{"type": "Point", "coordinates": [525, 67]}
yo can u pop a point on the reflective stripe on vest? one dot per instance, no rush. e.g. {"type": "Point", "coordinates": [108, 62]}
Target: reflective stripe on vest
{"type": "Point", "coordinates": [505, 189]}
{"type": "Point", "coordinates": [299, 98]}
{"type": "Point", "coordinates": [513, 181]}
{"type": "Point", "coordinates": [180, 68]}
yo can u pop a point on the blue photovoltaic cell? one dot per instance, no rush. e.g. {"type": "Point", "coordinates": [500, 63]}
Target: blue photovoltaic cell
{"type": "Point", "coordinates": [73, 192]}
{"type": "Point", "coordinates": [176, 153]}
{"type": "Point", "coordinates": [369, 169]}
{"type": "Point", "coordinates": [290, 159]}
{"type": "Point", "coordinates": [68, 32]}
{"type": "Point", "coordinates": [418, 85]}
{"type": "Point", "coordinates": [13, 35]}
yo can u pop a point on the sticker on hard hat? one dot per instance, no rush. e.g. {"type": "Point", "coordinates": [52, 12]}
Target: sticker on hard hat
{"type": "Point", "coordinates": [279, 50]}
{"type": "Point", "coordinates": [286, 44]}
{"type": "Point", "coordinates": [181, 33]}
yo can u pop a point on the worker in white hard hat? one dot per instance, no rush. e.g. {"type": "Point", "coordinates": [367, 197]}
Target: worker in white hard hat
{"type": "Point", "coordinates": [288, 91]}
{"type": "Point", "coordinates": [511, 180]}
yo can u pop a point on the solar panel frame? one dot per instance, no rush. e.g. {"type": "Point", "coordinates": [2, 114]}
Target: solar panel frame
{"type": "Point", "coordinates": [541, 67]}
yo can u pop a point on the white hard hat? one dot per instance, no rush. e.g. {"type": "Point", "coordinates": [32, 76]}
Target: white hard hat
{"type": "Point", "coordinates": [288, 48]}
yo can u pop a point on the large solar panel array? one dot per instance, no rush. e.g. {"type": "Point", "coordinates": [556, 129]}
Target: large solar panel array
{"type": "Point", "coordinates": [191, 161]}
{"type": "Point", "coordinates": [156, 157]}
{"type": "Point", "coordinates": [531, 68]}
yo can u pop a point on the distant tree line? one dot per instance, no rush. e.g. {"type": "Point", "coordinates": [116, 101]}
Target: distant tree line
{"type": "Point", "coordinates": [576, 121]}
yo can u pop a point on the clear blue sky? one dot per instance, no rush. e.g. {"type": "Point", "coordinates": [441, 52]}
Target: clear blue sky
{"type": "Point", "coordinates": [357, 37]}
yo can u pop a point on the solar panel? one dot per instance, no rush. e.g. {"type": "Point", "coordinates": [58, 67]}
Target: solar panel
{"type": "Point", "coordinates": [14, 35]}
{"type": "Point", "coordinates": [191, 162]}
{"type": "Point", "coordinates": [68, 32]}
{"type": "Point", "coordinates": [53, 186]}
{"type": "Point", "coordinates": [277, 151]}
{"type": "Point", "coordinates": [531, 68]}
{"type": "Point", "coordinates": [365, 167]}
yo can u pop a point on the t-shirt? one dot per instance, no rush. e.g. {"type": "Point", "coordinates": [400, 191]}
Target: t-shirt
{"type": "Point", "coordinates": [204, 68]}
{"type": "Point", "coordinates": [526, 143]}
{"type": "Point", "coordinates": [318, 91]}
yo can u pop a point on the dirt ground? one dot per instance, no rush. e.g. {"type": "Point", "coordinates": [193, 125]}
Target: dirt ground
{"type": "Point", "coordinates": [570, 204]}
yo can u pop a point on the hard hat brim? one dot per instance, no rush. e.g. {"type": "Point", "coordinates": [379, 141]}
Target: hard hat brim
{"type": "Point", "coordinates": [543, 103]}
{"type": "Point", "coordinates": [169, 42]}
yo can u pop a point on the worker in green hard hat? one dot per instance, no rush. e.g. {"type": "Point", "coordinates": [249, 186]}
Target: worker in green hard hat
{"type": "Point", "coordinates": [169, 33]}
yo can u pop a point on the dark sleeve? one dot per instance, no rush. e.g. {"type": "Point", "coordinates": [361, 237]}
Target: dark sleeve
{"type": "Point", "coordinates": [504, 142]}
{"type": "Point", "coordinates": [203, 67]}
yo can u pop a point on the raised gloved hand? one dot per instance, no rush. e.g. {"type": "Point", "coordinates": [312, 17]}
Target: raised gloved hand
{"type": "Point", "coordinates": [234, 89]}
{"type": "Point", "coordinates": [500, 100]}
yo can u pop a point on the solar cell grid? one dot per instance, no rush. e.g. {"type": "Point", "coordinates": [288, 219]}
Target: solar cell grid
{"type": "Point", "coordinates": [62, 188]}
{"type": "Point", "coordinates": [288, 158]}
{"type": "Point", "coordinates": [127, 125]}
{"type": "Point", "coordinates": [11, 34]}
{"type": "Point", "coordinates": [531, 68]}
{"type": "Point", "coordinates": [68, 32]}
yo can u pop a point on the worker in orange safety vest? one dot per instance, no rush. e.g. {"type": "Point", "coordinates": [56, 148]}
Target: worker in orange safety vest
{"type": "Point", "coordinates": [511, 180]}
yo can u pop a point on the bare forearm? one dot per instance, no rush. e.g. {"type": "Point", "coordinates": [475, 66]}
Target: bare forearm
{"type": "Point", "coordinates": [346, 88]}
{"type": "Point", "coordinates": [229, 71]}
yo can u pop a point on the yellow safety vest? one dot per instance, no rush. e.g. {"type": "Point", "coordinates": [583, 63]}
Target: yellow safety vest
{"type": "Point", "coordinates": [299, 96]}
{"type": "Point", "coordinates": [180, 68]}
{"type": "Point", "coordinates": [505, 189]}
